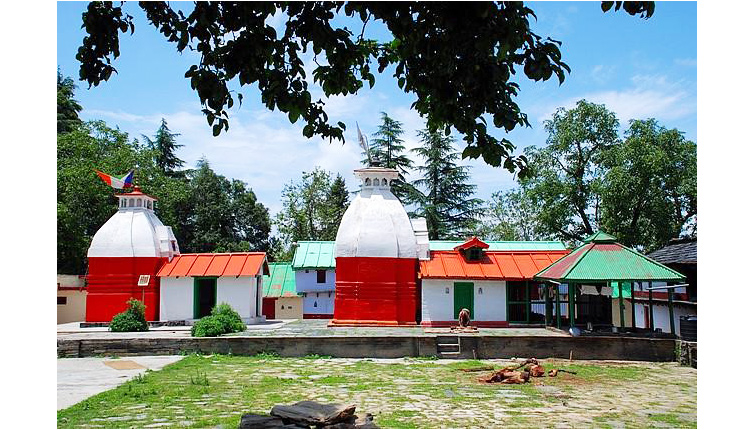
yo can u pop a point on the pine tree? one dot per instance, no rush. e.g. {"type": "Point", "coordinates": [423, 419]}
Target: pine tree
{"type": "Point", "coordinates": [387, 150]}
{"type": "Point", "coordinates": [446, 204]}
{"type": "Point", "coordinates": [166, 146]}
{"type": "Point", "coordinates": [68, 108]}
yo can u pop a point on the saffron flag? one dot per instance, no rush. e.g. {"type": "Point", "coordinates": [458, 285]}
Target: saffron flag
{"type": "Point", "coordinates": [119, 183]}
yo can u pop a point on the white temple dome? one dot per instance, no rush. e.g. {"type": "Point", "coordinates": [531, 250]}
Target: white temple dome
{"type": "Point", "coordinates": [134, 231]}
{"type": "Point", "coordinates": [376, 223]}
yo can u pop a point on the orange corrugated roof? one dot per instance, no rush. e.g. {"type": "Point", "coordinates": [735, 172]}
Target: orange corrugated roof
{"type": "Point", "coordinates": [513, 265]}
{"type": "Point", "coordinates": [229, 264]}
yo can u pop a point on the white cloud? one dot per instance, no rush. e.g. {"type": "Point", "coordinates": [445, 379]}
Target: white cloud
{"type": "Point", "coordinates": [649, 96]}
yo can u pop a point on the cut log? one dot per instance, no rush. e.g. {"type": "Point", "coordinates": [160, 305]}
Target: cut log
{"type": "Point", "coordinates": [355, 422]}
{"type": "Point", "coordinates": [313, 413]}
{"type": "Point", "coordinates": [537, 371]}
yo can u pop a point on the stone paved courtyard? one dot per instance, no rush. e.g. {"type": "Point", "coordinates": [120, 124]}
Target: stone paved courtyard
{"type": "Point", "coordinates": [214, 391]}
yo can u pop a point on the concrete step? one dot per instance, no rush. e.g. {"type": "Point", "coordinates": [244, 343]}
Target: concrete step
{"type": "Point", "coordinates": [449, 348]}
{"type": "Point", "coordinates": [450, 353]}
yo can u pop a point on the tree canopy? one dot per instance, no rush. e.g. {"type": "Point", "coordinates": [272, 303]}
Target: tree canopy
{"type": "Point", "coordinates": [237, 44]}
{"type": "Point", "coordinates": [312, 209]}
{"type": "Point", "coordinates": [68, 108]}
{"type": "Point", "coordinates": [641, 188]}
{"type": "Point", "coordinates": [166, 146]}
{"type": "Point", "coordinates": [443, 194]}
{"type": "Point", "coordinates": [387, 150]}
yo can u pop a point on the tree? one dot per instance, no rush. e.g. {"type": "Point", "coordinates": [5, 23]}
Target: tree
{"type": "Point", "coordinates": [510, 216]}
{"type": "Point", "coordinates": [650, 188]}
{"type": "Point", "coordinates": [446, 204]}
{"type": "Point", "coordinates": [166, 146]}
{"type": "Point", "coordinates": [236, 45]}
{"type": "Point", "coordinates": [567, 171]}
{"type": "Point", "coordinates": [387, 150]}
{"type": "Point", "coordinates": [226, 216]}
{"type": "Point", "coordinates": [312, 209]}
{"type": "Point", "coordinates": [68, 108]}
{"type": "Point", "coordinates": [337, 203]}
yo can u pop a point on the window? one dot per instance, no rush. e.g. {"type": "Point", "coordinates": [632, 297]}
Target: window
{"type": "Point", "coordinates": [320, 276]}
{"type": "Point", "coordinates": [525, 301]}
{"type": "Point", "coordinates": [368, 182]}
{"type": "Point", "coordinates": [138, 203]}
{"type": "Point", "coordinates": [385, 182]}
{"type": "Point", "coordinates": [123, 203]}
{"type": "Point", "coordinates": [283, 307]}
{"type": "Point", "coordinates": [62, 300]}
{"type": "Point", "coordinates": [149, 204]}
{"type": "Point", "coordinates": [131, 203]}
{"type": "Point", "coordinates": [474, 254]}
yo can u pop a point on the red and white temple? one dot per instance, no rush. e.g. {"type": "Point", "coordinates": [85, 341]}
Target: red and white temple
{"type": "Point", "coordinates": [132, 243]}
{"type": "Point", "coordinates": [376, 257]}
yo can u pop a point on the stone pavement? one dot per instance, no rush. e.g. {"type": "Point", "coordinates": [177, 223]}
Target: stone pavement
{"type": "Point", "coordinates": [81, 378]}
{"type": "Point", "coordinates": [295, 328]}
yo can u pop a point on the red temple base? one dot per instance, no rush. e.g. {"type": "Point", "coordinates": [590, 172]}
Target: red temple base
{"type": "Point", "coordinates": [112, 281]}
{"type": "Point", "coordinates": [375, 291]}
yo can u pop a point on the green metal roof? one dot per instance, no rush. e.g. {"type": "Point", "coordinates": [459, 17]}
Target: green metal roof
{"type": "Point", "coordinates": [281, 281]}
{"type": "Point", "coordinates": [315, 255]}
{"type": "Point", "coordinates": [500, 245]}
{"type": "Point", "coordinates": [601, 258]}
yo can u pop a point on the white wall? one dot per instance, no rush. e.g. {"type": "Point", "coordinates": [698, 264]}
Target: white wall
{"type": "Point", "coordinates": [437, 305]}
{"type": "Point", "coordinates": [661, 317]}
{"type": "Point", "coordinates": [176, 298]}
{"type": "Point", "coordinates": [325, 304]}
{"type": "Point", "coordinates": [306, 280]}
{"type": "Point", "coordinates": [240, 293]}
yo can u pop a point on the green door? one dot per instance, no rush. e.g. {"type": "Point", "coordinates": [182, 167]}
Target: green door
{"type": "Point", "coordinates": [463, 298]}
{"type": "Point", "coordinates": [205, 295]}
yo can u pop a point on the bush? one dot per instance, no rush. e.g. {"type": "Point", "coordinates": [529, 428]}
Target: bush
{"type": "Point", "coordinates": [223, 319]}
{"type": "Point", "coordinates": [132, 319]}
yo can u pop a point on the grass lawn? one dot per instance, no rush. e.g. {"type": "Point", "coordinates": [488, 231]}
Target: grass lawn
{"type": "Point", "coordinates": [214, 391]}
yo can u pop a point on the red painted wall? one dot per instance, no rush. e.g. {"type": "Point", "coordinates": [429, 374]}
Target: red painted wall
{"type": "Point", "coordinates": [111, 281]}
{"type": "Point", "coordinates": [376, 291]}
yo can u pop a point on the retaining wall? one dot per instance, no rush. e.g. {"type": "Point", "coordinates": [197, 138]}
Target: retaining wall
{"type": "Point", "coordinates": [579, 348]}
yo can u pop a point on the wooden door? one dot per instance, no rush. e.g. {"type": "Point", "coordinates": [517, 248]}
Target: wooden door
{"type": "Point", "coordinates": [463, 298]}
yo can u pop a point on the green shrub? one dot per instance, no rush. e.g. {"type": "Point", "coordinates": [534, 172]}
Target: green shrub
{"type": "Point", "coordinates": [223, 319]}
{"type": "Point", "coordinates": [132, 319]}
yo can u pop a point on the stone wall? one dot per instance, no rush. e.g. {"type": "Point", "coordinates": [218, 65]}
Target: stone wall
{"type": "Point", "coordinates": [579, 348]}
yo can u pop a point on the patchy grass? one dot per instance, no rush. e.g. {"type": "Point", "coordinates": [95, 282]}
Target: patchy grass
{"type": "Point", "coordinates": [214, 391]}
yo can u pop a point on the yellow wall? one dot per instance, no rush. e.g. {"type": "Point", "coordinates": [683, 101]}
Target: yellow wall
{"type": "Point", "coordinates": [75, 308]}
{"type": "Point", "coordinates": [292, 308]}
{"type": "Point", "coordinates": [627, 312]}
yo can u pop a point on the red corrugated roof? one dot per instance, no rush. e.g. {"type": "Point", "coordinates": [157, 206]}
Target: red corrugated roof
{"type": "Point", "coordinates": [512, 265]}
{"type": "Point", "coordinates": [234, 264]}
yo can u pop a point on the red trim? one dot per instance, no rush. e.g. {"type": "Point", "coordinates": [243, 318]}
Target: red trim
{"type": "Point", "coordinates": [485, 324]}
{"type": "Point", "coordinates": [474, 242]}
{"type": "Point", "coordinates": [659, 295]}
{"type": "Point", "coordinates": [72, 288]}
{"type": "Point", "coordinates": [317, 316]}
{"type": "Point", "coordinates": [370, 323]}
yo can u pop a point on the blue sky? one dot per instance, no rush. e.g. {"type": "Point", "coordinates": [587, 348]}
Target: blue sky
{"type": "Point", "coordinates": [637, 68]}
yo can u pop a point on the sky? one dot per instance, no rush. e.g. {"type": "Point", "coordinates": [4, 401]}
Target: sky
{"type": "Point", "coordinates": [638, 68]}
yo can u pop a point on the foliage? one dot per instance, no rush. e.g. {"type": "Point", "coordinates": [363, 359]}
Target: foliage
{"type": "Point", "coordinates": [132, 319]}
{"type": "Point", "coordinates": [166, 146]}
{"type": "Point", "coordinates": [446, 203]}
{"type": "Point", "coordinates": [387, 150]}
{"type": "Point", "coordinates": [641, 189]}
{"type": "Point", "coordinates": [567, 171]}
{"type": "Point", "coordinates": [222, 319]}
{"type": "Point", "coordinates": [650, 187]}
{"type": "Point", "coordinates": [236, 44]}
{"type": "Point", "coordinates": [223, 215]}
{"type": "Point", "coordinates": [510, 216]}
{"type": "Point", "coordinates": [312, 209]}
{"type": "Point", "coordinates": [68, 108]}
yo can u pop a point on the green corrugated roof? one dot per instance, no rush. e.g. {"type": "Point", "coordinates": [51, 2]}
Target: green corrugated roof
{"type": "Point", "coordinates": [501, 245]}
{"type": "Point", "coordinates": [601, 258]}
{"type": "Point", "coordinates": [315, 255]}
{"type": "Point", "coordinates": [281, 281]}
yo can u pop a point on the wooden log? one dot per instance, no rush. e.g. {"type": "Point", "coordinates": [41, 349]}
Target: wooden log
{"type": "Point", "coordinates": [254, 421]}
{"type": "Point", "coordinates": [313, 413]}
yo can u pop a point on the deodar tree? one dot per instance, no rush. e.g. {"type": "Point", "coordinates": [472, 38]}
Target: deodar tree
{"type": "Point", "coordinates": [437, 52]}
